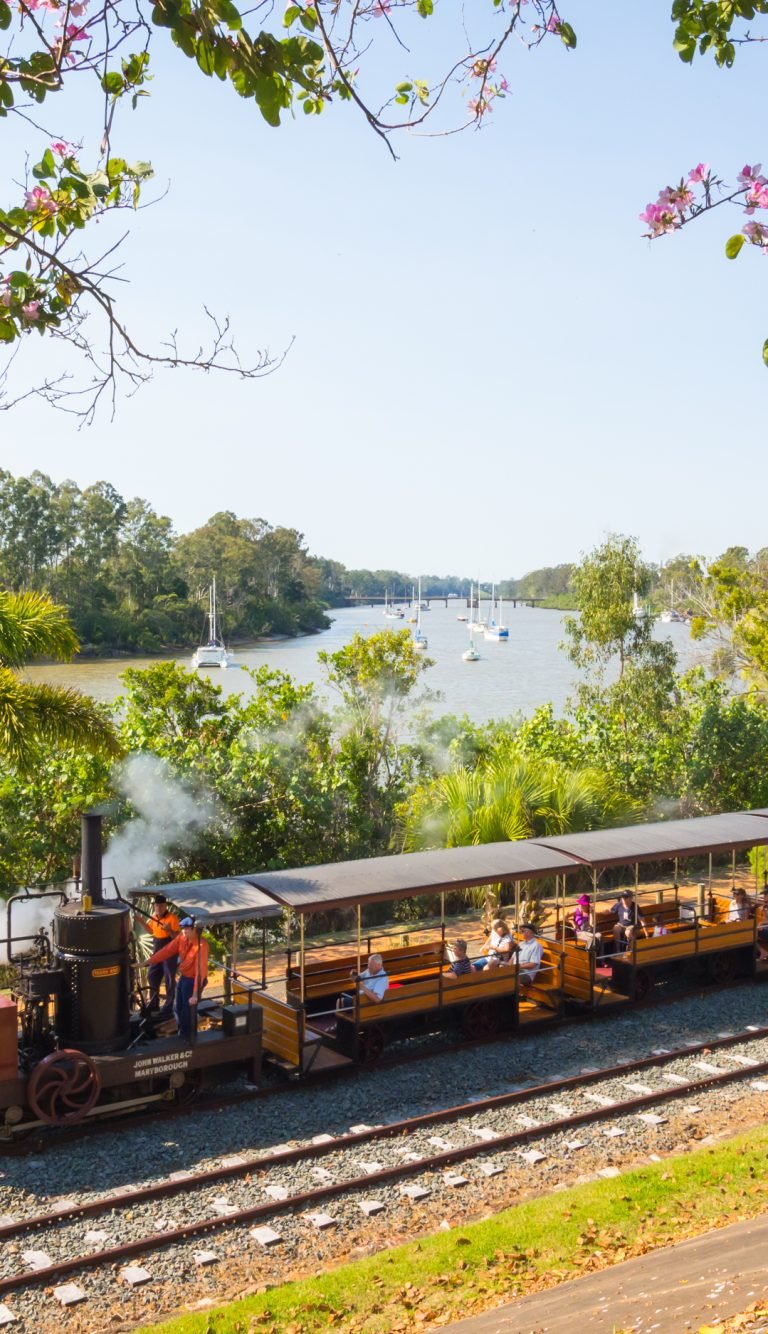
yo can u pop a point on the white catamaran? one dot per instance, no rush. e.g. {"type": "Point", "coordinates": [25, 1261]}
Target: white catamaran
{"type": "Point", "coordinates": [213, 652]}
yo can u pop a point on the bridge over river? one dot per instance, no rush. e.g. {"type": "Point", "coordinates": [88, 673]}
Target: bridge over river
{"type": "Point", "coordinates": [372, 599]}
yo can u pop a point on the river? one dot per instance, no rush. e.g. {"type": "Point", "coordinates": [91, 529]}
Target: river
{"type": "Point", "coordinates": [513, 676]}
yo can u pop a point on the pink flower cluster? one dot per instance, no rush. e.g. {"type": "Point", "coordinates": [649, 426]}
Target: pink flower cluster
{"type": "Point", "coordinates": [39, 198]}
{"type": "Point", "coordinates": [667, 214]}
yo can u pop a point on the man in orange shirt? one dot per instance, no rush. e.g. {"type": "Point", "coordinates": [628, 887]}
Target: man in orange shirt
{"type": "Point", "coordinates": [164, 926]}
{"type": "Point", "coordinates": [192, 952]}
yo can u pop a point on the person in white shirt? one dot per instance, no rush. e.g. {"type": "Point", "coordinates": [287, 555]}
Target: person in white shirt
{"type": "Point", "coordinates": [374, 983]}
{"type": "Point", "coordinates": [659, 929]}
{"type": "Point", "coordinates": [529, 956]}
{"type": "Point", "coordinates": [498, 948]}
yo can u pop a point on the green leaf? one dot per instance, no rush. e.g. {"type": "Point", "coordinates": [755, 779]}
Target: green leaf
{"type": "Point", "coordinates": [7, 331]}
{"type": "Point", "coordinates": [425, 8]}
{"type": "Point", "coordinates": [290, 16]}
{"type": "Point", "coordinates": [765, 352]}
{"type": "Point", "coordinates": [112, 83]}
{"type": "Point", "coordinates": [45, 168]}
{"type": "Point", "coordinates": [403, 87]}
{"type": "Point", "coordinates": [5, 15]}
{"type": "Point", "coordinates": [206, 57]}
{"type": "Point", "coordinates": [733, 245]}
{"type": "Point", "coordinates": [567, 36]}
{"type": "Point", "coordinates": [308, 20]}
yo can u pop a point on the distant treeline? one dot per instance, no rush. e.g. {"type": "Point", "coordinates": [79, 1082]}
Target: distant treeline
{"type": "Point", "coordinates": [131, 583]}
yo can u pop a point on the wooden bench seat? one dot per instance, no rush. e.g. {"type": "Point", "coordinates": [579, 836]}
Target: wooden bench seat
{"type": "Point", "coordinates": [329, 977]}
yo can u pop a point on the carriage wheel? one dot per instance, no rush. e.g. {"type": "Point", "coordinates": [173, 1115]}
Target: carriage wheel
{"type": "Point", "coordinates": [643, 984]}
{"type": "Point", "coordinates": [191, 1088]}
{"type": "Point", "coordinates": [63, 1087]}
{"type": "Point", "coordinates": [480, 1020]}
{"type": "Point", "coordinates": [721, 968]}
{"type": "Point", "coordinates": [372, 1044]}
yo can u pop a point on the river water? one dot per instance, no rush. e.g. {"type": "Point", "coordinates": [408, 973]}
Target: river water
{"type": "Point", "coordinates": [512, 676]}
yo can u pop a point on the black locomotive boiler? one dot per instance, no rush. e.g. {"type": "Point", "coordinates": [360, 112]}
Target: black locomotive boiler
{"type": "Point", "coordinates": [77, 1037]}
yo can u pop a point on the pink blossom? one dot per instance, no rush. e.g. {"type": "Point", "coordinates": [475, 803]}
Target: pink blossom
{"type": "Point", "coordinates": [757, 196]}
{"type": "Point", "coordinates": [699, 174]}
{"type": "Point", "coordinates": [5, 297]}
{"type": "Point", "coordinates": [553, 23]}
{"type": "Point", "coordinates": [679, 199]}
{"type": "Point", "coordinates": [660, 219]}
{"type": "Point", "coordinates": [39, 198]}
{"type": "Point", "coordinates": [31, 310]}
{"type": "Point", "coordinates": [380, 8]}
{"type": "Point", "coordinates": [757, 234]}
{"type": "Point", "coordinates": [75, 34]}
{"type": "Point", "coordinates": [61, 148]}
{"type": "Point", "coordinates": [748, 174]}
{"type": "Point", "coordinates": [77, 10]}
{"type": "Point", "coordinates": [33, 5]}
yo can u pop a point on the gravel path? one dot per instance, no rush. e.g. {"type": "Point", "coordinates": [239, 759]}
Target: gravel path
{"type": "Point", "coordinates": [134, 1156]}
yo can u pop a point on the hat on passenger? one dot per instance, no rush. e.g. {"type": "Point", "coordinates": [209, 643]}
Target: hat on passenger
{"type": "Point", "coordinates": [584, 900]}
{"type": "Point", "coordinates": [187, 921]}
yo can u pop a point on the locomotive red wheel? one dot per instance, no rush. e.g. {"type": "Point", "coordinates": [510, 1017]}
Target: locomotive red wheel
{"type": "Point", "coordinates": [63, 1088]}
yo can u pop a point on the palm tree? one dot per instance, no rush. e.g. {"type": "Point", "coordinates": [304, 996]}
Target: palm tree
{"type": "Point", "coordinates": [30, 626]}
{"type": "Point", "coordinates": [511, 798]}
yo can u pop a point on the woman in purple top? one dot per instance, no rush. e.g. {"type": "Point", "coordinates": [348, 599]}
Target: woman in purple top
{"type": "Point", "coordinates": [581, 914]}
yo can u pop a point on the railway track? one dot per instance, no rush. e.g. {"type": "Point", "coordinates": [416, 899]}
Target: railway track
{"type": "Point", "coordinates": [35, 1142]}
{"type": "Point", "coordinates": [560, 1103]}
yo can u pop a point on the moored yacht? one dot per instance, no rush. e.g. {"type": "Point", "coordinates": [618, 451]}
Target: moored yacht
{"type": "Point", "coordinates": [213, 652]}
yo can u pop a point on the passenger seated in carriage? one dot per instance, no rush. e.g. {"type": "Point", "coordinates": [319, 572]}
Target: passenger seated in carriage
{"type": "Point", "coordinates": [459, 961]}
{"type": "Point", "coordinates": [529, 956]}
{"type": "Point", "coordinates": [627, 912]}
{"type": "Point", "coordinates": [498, 948]}
{"type": "Point", "coordinates": [374, 984]}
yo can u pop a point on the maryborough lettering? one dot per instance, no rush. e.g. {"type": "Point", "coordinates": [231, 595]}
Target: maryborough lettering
{"type": "Point", "coordinates": [161, 1064]}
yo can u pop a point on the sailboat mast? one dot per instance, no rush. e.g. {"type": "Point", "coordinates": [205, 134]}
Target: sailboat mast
{"type": "Point", "coordinates": [212, 610]}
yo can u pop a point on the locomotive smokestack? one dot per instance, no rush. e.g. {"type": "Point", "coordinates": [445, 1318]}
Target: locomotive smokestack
{"type": "Point", "coordinates": [91, 856]}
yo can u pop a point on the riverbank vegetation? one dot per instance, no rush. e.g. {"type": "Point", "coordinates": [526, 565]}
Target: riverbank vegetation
{"type": "Point", "coordinates": [284, 778]}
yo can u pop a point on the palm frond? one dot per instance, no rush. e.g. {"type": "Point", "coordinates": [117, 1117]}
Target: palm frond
{"type": "Point", "coordinates": [31, 625]}
{"type": "Point", "coordinates": [30, 714]}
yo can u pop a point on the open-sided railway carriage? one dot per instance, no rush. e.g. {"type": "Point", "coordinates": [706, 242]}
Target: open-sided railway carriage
{"type": "Point", "coordinates": [77, 1039]}
{"type": "Point", "coordinates": [303, 1031]}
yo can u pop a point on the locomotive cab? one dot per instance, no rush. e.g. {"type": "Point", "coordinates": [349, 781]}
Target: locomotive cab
{"type": "Point", "coordinates": [77, 1037]}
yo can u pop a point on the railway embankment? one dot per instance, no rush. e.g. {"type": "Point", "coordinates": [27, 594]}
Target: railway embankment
{"type": "Point", "coordinates": [536, 1157]}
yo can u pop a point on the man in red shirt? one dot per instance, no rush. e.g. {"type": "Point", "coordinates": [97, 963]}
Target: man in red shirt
{"type": "Point", "coordinates": [192, 952]}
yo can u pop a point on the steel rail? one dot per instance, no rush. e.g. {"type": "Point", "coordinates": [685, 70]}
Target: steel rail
{"type": "Point", "coordinates": [445, 1158]}
{"type": "Point", "coordinates": [106, 1119]}
{"type": "Point", "coordinates": [306, 1152]}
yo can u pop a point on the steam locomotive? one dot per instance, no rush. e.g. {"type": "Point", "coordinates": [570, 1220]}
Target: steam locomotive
{"type": "Point", "coordinates": [77, 1036]}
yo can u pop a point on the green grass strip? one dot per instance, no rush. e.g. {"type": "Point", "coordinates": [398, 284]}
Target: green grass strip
{"type": "Point", "coordinates": [521, 1250]}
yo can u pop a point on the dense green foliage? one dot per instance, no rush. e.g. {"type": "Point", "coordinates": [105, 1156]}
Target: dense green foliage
{"type": "Point", "coordinates": [129, 583]}
{"type": "Point", "coordinates": [33, 715]}
{"type": "Point", "coordinates": [285, 779]}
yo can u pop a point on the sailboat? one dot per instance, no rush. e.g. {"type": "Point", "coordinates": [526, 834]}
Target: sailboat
{"type": "Point", "coordinates": [413, 619]}
{"type": "Point", "coordinates": [213, 653]}
{"type": "Point", "coordinates": [670, 616]}
{"type": "Point", "coordinates": [475, 623]}
{"type": "Point", "coordinates": [496, 629]}
{"type": "Point", "coordinates": [471, 654]}
{"type": "Point", "coordinates": [391, 613]}
{"type": "Point", "coordinates": [419, 638]}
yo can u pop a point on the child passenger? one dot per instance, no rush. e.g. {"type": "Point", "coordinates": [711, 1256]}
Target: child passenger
{"type": "Point", "coordinates": [659, 929]}
{"type": "Point", "coordinates": [459, 963]}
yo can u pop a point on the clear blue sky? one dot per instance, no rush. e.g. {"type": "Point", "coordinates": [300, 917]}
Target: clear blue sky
{"type": "Point", "coordinates": [491, 368]}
